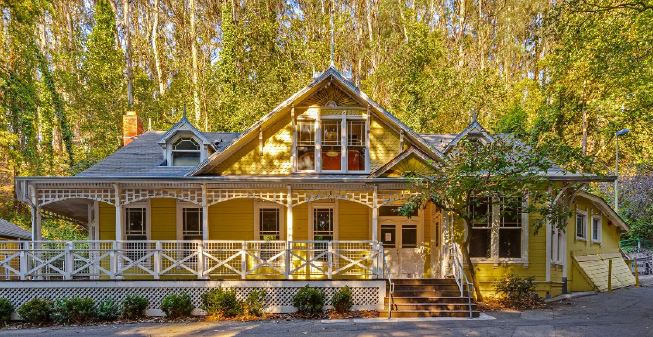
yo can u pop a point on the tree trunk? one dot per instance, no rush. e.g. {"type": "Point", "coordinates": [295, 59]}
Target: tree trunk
{"type": "Point", "coordinates": [155, 50]}
{"type": "Point", "coordinates": [461, 34]}
{"type": "Point", "coordinates": [128, 56]}
{"type": "Point", "coordinates": [193, 38]}
{"type": "Point", "coordinates": [584, 126]}
{"type": "Point", "coordinates": [470, 266]}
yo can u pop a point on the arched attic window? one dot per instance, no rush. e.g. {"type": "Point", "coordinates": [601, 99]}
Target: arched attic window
{"type": "Point", "coordinates": [185, 152]}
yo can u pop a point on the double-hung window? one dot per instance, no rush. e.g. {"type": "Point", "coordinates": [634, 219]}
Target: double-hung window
{"type": "Point", "coordinates": [481, 233]}
{"type": "Point", "coordinates": [510, 232]}
{"type": "Point", "coordinates": [596, 228]}
{"type": "Point", "coordinates": [581, 225]}
{"type": "Point", "coordinates": [331, 144]}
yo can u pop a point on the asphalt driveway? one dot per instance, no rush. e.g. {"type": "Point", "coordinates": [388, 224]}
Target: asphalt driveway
{"type": "Point", "coordinates": [623, 313]}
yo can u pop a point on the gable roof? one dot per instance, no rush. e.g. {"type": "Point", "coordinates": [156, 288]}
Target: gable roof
{"type": "Point", "coordinates": [331, 74]}
{"type": "Point", "coordinates": [605, 208]}
{"type": "Point", "coordinates": [185, 125]}
{"type": "Point", "coordinates": [403, 155]}
{"type": "Point", "coordinates": [473, 129]}
{"type": "Point", "coordinates": [9, 230]}
{"type": "Point", "coordinates": [143, 157]}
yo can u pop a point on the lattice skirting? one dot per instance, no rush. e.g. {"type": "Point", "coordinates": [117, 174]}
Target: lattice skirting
{"type": "Point", "coordinates": [367, 294]}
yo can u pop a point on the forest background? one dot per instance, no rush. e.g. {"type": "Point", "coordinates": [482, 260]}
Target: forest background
{"type": "Point", "coordinates": [561, 75]}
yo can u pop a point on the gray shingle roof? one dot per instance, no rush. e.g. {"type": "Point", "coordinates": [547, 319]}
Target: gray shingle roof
{"type": "Point", "coordinates": [9, 230]}
{"type": "Point", "coordinates": [439, 141]}
{"type": "Point", "coordinates": [144, 157]}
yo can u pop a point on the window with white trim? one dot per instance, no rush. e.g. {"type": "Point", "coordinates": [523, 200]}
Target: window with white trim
{"type": "Point", "coordinates": [480, 243]}
{"type": "Point", "coordinates": [340, 141]}
{"type": "Point", "coordinates": [192, 223]}
{"type": "Point", "coordinates": [136, 223]}
{"type": "Point", "coordinates": [510, 231]}
{"type": "Point", "coordinates": [581, 225]}
{"type": "Point", "coordinates": [186, 151]}
{"type": "Point", "coordinates": [323, 229]}
{"type": "Point", "coordinates": [269, 226]}
{"type": "Point", "coordinates": [596, 228]}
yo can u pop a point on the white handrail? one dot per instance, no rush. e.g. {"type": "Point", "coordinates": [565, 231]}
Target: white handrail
{"type": "Point", "coordinates": [101, 259]}
{"type": "Point", "coordinates": [459, 275]}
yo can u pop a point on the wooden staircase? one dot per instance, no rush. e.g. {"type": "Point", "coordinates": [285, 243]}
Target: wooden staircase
{"type": "Point", "coordinates": [429, 298]}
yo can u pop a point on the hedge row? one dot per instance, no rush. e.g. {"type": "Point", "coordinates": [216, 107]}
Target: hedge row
{"type": "Point", "coordinates": [216, 302]}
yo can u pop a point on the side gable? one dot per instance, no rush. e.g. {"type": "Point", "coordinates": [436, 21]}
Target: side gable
{"type": "Point", "coordinates": [266, 147]}
{"type": "Point", "coordinates": [410, 160]}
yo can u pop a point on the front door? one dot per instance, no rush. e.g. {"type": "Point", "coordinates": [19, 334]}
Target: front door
{"type": "Point", "coordinates": [401, 249]}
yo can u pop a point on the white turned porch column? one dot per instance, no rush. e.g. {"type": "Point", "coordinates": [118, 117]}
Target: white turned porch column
{"type": "Point", "coordinates": [36, 216]}
{"type": "Point", "coordinates": [375, 215]}
{"type": "Point", "coordinates": [289, 220]}
{"type": "Point", "coordinates": [117, 248]}
{"type": "Point", "coordinates": [205, 214]}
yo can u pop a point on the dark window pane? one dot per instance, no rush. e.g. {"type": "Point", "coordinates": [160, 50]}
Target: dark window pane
{"type": "Point", "coordinates": [580, 225]}
{"type": "Point", "coordinates": [192, 229]}
{"type": "Point", "coordinates": [480, 212]}
{"type": "Point", "coordinates": [510, 243]}
{"type": "Point", "coordinates": [331, 158]}
{"type": "Point", "coordinates": [185, 158]}
{"type": "Point", "coordinates": [356, 158]}
{"type": "Point", "coordinates": [408, 236]}
{"type": "Point", "coordinates": [269, 223]}
{"type": "Point", "coordinates": [479, 244]}
{"type": "Point", "coordinates": [306, 133]}
{"type": "Point", "coordinates": [136, 224]}
{"type": "Point", "coordinates": [393, 211]}
{"type": "Point", "coordinates": [511, 212]}
{"type": "Point", "coordinates": [305, 158]}
{"type": "Point", "coordinates": [323, 221]}
{"type": "Point", "coordinates": [388, 236]}
{"type": "Point", "coordinates": [331, 132]}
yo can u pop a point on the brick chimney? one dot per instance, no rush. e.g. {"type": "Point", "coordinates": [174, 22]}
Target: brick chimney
{"type": "Point", "coordinates": [132, 127]}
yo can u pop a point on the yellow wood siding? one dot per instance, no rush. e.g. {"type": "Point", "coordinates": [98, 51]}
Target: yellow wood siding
{"type": "Point", "coordinates": [164, 219]}
{"type": "Point", "coordinates": [353, 221]}
{"type": "Point", "coordinates": [412, 163]}
{"type": "Point", "coordinates": [232, 220]}
{"type": "Point", "coordinates": [275, 158]}
{"type": "Point", "coordinates": [107, 219]}
{"type": "Point", "coordinates": [300, 222]}
{"type": "Point", "coordinates": [384, 143]}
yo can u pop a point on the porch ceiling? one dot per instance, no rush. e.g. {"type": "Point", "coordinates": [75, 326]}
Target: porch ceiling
{"type": "Point", "coordinates": [76, 209]}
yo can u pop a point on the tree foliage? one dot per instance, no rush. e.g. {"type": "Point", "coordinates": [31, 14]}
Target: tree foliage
{"type": "Point", "coordinates": [562, 74]}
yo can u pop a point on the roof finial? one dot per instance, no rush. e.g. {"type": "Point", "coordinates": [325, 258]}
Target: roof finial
{"type": "Point", "coordinates": [333, 40]}
{"type": "Point", "coordinates": [184, 114]}
{"type": "Point", "coordinates": [474, 116]}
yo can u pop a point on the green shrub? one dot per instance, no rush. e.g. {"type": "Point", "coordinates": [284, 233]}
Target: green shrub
{"type": "Point", "coordinates": [36, 310]}
{"type": "Point", "coordinates": [518, 293]}
{"type": "Point", "coordinates": [6, 308]}
{"type": "Point", "coordinates": [221, 302]}
{"type": "Point", "coordinates": [177, 305]}
{"type": "Point", "coordinates": [108, 310]}
{"type": "Point", "coordinates": [134, 306]}
{"type": "Point", "coordinates": [73, 310]}
{"type": "Point", "coordinates": [309, 301]}
{"type": "Point", "coordinates": [255, 302]}
{"type": "Point", "coordinates": [342, 300]}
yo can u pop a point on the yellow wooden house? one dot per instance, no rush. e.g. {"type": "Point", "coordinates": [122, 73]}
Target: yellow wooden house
{"type": "Point", "coordinates": [310, 192]}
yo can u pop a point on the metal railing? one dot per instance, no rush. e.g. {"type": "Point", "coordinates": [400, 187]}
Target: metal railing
{"type": "Point", "coordinates": [68, 260]}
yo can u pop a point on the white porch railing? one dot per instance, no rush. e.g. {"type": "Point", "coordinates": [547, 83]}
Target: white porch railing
{"type": "Point", "coordinates": [68, 260]}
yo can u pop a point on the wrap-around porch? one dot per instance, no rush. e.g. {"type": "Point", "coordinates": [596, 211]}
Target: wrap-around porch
{"type": "Point", "coordinates": [149, 230]}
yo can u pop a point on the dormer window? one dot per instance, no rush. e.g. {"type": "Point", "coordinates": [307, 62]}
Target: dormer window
{"type": "Point", "coordinates": [185, 152]}
{"type": "Point", "coordinates": [332, 144]}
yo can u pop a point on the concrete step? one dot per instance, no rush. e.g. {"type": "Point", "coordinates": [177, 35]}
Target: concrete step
{"type": "Point", "coordinates": [433, 281]}
{"type": "Point", "coordinates": [435, 307]}
{"type": "Point", "coordinates": [430, 313]}
{"type": "Point", "coordinates": [427, 293]}
{"type": "Point", "coordinates": [434, 300]}
{"type": "Point", "coordinates": [427, 287]}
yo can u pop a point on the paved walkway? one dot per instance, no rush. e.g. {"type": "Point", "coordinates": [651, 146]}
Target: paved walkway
{"type": "Point", "coordinates": [623, 313]}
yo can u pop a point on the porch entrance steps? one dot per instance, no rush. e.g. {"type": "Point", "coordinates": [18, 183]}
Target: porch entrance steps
{"type": "Point", "coordinates": [429, 298]}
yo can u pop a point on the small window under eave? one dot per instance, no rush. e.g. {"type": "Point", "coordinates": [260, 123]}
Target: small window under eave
{"type": "Point", "coordinates": [186, 151]}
